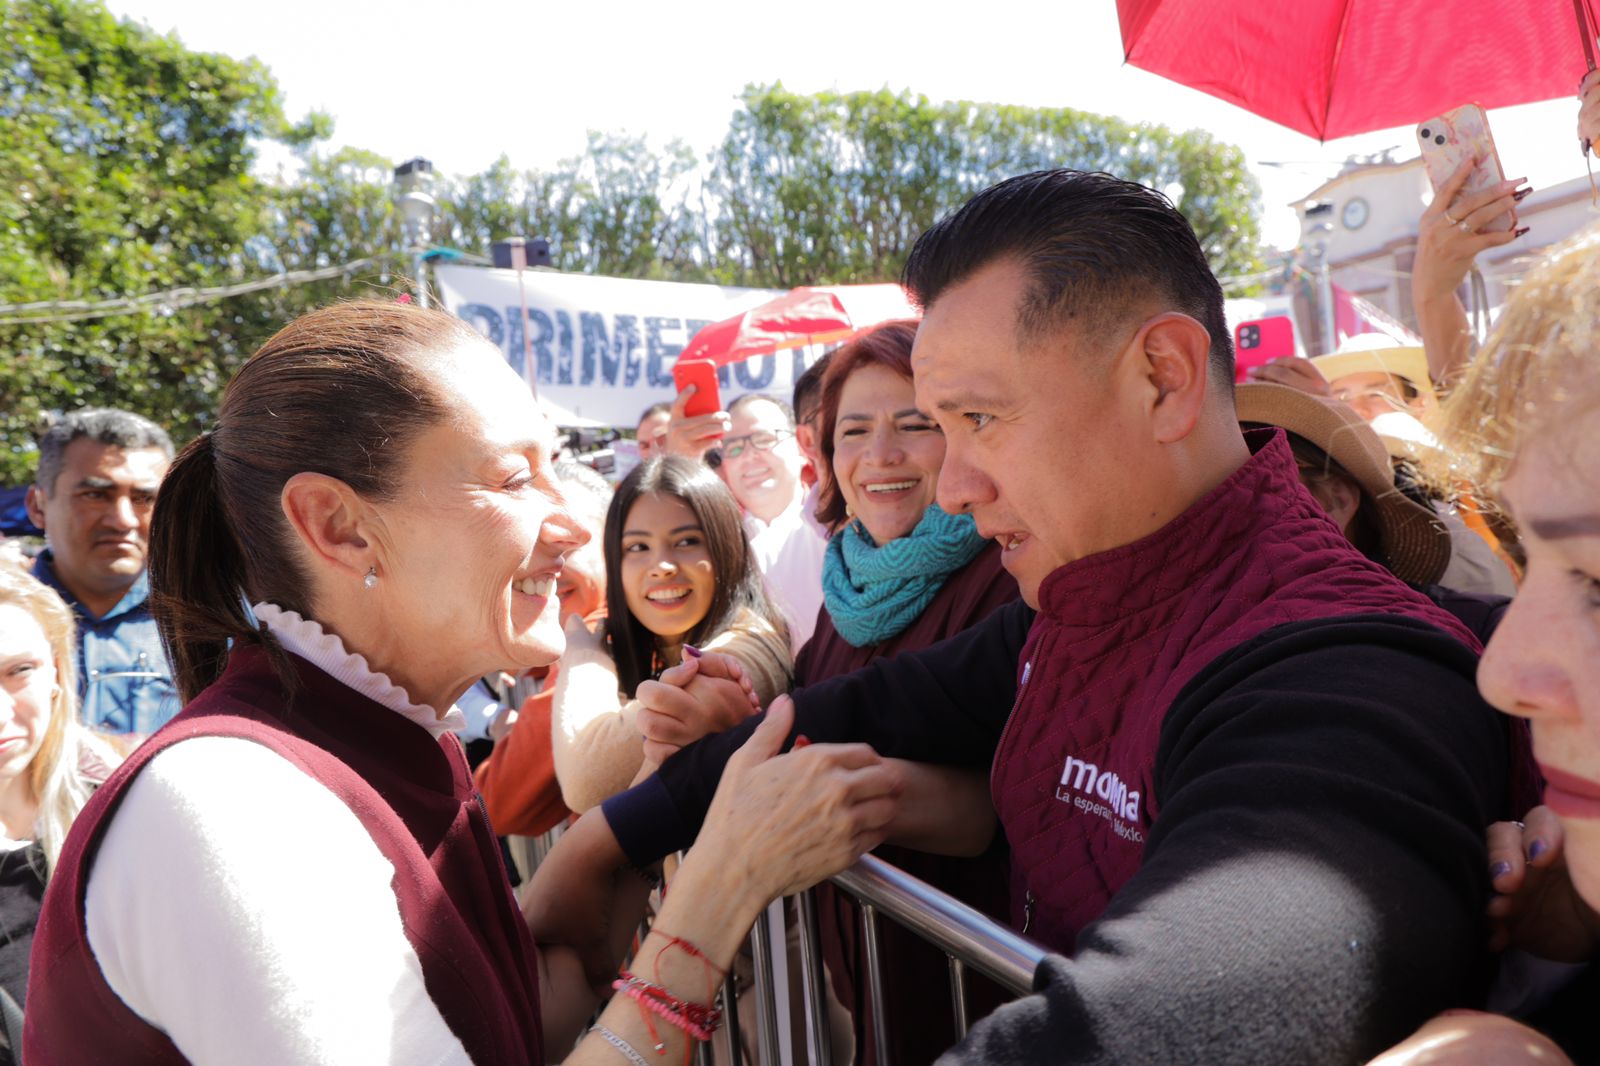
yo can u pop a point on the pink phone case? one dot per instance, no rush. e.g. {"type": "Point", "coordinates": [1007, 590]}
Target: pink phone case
{"type": "Point", "coordinates": [1454, 137]}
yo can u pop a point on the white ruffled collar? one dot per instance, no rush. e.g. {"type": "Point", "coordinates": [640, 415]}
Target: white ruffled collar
{"type": "Point", "coordinates": [326, 651]}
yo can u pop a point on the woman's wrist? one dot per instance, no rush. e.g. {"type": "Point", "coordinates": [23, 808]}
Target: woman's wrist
{"type": "Point", "coordinates": [711, 904]}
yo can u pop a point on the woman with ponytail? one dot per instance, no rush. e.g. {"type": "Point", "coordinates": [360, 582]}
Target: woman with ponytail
{"type": "Point", "coordinates": [297, 868]}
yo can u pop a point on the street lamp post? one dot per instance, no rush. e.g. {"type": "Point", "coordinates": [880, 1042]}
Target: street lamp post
{"type": "Point", "coordinates": [413, 185]}
{"type": "Point", "coordinates": [1318, 252]}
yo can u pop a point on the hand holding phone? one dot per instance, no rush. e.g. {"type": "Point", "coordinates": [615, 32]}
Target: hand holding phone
{"type": "Point", "coordinates": [1260, 341]}
{"type": "Point", "coordinates": [697, 420]}
{"type": "Point", "coordinates": [1448, 142]}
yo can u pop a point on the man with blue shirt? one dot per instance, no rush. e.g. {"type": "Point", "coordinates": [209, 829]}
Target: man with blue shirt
{"type": "Point", "coordinates": [93, 495]}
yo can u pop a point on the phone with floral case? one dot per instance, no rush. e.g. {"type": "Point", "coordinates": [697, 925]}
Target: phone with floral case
{"type": "Point", "coordinates": [1454, 137]}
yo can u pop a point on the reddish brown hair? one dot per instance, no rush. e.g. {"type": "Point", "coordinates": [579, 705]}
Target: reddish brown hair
{"type": "Point", "coordinates": [890, 346]}
{"type": "Point", "coordinates": [336, 392]}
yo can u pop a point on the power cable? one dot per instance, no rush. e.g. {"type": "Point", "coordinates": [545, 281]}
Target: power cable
{"type": "Point", "coordinates": [169, 300]}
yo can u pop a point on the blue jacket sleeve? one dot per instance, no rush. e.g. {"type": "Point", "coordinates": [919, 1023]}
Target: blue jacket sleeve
{"type": "Point", "coordinates": [945, 704]}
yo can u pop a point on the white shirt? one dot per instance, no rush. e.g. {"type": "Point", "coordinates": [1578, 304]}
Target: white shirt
{"type": "Point", "coordinates": [789, 550]}
{"type": "Point", "coordinates": [238, 905]}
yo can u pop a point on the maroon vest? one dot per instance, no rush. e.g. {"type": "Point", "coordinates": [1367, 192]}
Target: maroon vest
{"type": "Point", "coordinates": [413, 793]}
{"type": "Point", "coordinates": [1118, 636]}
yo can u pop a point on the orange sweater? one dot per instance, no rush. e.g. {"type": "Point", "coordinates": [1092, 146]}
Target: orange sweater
{"type": "Point", "coordinates": [518, 779]}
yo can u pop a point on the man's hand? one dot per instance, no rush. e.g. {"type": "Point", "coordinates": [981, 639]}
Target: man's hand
{"type": "Point", "coordinates": [1294, 372]}
{"type": "Point", "coordinates": [693, 437]}
{"type": "Point", "coordinates": [700, 696]}
{"type": "Point", "coordinates": [582, 897]}
{"type": "Point", "coordinates": [1535, 908]}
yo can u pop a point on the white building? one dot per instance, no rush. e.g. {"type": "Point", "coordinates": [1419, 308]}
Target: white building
{"type": "Point", "coordinates": [1364, 222]}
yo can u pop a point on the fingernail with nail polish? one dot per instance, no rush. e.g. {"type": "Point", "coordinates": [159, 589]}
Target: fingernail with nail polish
{"type": "Point", "coordinates": [801, 741]}
{"type": "Point", "coordinates": [1536, 849]}
{"type": "Point", "coordinates": [1521, 195]}
{"type": "Point", "coordinates": [692, 650]}
{"type": "Point", "coordinates": [1499, 870]}
{"type": "Point", "coordinates": [1521, 231]}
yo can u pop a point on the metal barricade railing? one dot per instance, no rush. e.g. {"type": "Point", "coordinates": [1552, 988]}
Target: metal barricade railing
{"type": "Point", "coordinates": [967, 937]}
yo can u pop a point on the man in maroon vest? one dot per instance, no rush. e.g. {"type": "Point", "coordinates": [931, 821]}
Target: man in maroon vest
{"type": "Point", "coordinates": [1243, 771]}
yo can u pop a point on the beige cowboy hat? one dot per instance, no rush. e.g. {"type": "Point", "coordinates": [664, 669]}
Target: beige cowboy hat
{"type": "Point", "coordinates": [1415, 542]}
{"type": "Point", "coordinates": [1375, 353]}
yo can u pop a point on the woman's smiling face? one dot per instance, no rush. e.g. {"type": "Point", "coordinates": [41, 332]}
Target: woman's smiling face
{"type": "Point", "coordinates": [473, 545]}
{"type": "Point", "coordinates": [886, 453]}
{"type": "Point", "coordinates": [666, 569]}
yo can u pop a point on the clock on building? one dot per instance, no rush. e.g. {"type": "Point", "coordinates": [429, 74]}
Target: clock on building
{"type": "Point", "coordinates": [1354, 215]}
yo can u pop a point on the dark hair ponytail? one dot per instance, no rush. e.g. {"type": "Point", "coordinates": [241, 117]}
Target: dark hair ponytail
{"type": "Point", "coordinates": [196, 572]}
{"type": "Point", "coordinates": [337, 392]}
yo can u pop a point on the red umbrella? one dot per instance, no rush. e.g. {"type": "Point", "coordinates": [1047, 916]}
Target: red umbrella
{"type": "Point", "coordinates": [803, 316]}
{"type": "Point", "coordinates": [1332, 68]}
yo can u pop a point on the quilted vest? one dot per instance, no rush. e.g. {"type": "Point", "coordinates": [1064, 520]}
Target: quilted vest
{"type": "Point", "coordinates": [1117, 637]}
{"type": "Point", "coordinates": [413, 793]}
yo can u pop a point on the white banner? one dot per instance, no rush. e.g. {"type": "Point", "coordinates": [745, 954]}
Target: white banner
{"type": "Point", "coordinates": [603, 348]}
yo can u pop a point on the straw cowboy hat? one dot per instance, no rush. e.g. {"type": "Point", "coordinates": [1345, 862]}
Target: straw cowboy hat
{"type": "Point", "coordinates": [1374, 353]}
{"type": "Point", "coordinates": [1415, 542]}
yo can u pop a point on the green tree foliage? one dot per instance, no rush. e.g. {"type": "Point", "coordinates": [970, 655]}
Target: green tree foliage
{"type": "Point", "coordinates": [837, 186]}
{"type": "Point", "coordinates": [618, 209]}
{"type": "Point", "coordinates": [125, 168]}
{"type": "Point", "coordinates": [128, 165]}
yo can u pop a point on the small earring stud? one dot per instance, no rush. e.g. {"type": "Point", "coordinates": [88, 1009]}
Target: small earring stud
{"type": "Point", "coordinates": [371, 580]}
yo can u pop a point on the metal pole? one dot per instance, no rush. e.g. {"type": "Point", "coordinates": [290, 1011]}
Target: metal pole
{"type": "Point", "coordinates": [812, 976]}
{"type": "Point", "coordinates": [730, 1015]}
{"type": "Point", "coordinates": [519, 260]}
{"type": "Point", "coordinates": [420, 267]}
{"type": "Point", "coordinates": [766, 1006]}
{"type": "Point", "coordinates": [869, 933]}
{"type": "Point", "coordinates": [947, 923]}
{"type": "Point", "coordinates": [1329, 334]}
{"type": "Point", "coordinates": [958, 995]}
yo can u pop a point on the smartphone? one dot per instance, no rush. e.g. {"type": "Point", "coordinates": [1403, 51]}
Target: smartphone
{"type": "Point", "coordinates": [1453, 138]}
{"type": "Point", "coordinates": [702, 374]}
{"type": "Point", "coordinates": [1260, 341]}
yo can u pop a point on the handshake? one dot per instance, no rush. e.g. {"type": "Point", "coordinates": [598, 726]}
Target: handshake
{"type": "Point", "coordinates": [706, 693]}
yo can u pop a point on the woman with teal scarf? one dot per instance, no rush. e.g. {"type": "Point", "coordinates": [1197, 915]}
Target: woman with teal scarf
{"type": "Point", "coordinates": [900, 574]}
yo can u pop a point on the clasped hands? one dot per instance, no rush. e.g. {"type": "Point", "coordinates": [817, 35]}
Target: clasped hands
{"type": "Point", "coordinates": [706, 693]}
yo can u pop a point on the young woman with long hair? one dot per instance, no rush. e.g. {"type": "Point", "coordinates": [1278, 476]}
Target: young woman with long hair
{"type": "Point", "coordinates": [680, 578]}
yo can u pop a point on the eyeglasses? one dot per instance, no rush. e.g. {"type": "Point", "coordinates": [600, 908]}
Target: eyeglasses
{"type": "Point", "coordinates": [734, 447]}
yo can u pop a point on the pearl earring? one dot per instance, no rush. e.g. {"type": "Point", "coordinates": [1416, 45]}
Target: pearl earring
{"type": "Point", "coordinates": [371, 580]}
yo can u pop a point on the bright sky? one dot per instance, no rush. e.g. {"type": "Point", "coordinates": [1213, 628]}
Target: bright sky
{"type": "Point", "coordinates": [462, 82]}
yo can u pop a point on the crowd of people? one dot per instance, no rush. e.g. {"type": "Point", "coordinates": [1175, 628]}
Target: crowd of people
{"type": "Point", "coordinates": [1269, 709]}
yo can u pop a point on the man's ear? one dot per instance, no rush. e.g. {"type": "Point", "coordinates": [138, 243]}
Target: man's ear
{"type": "Point", "coordinates": [33, 500]}
{"type": "Point", "coordinates": [1177, 355]}
{"type": "Point", "coordinates": [328, 516]}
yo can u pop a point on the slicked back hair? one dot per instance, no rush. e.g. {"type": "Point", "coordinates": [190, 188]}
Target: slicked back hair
{"type": "Point", "coordinates": [1095, 249]}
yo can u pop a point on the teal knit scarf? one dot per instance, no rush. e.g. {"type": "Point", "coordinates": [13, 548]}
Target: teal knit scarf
{"type": "Point", "coordinates": [874, 593]}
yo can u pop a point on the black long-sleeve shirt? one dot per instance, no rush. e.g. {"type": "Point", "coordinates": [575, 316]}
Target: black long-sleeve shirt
{"type": "Point", "coordinates": [1312, 888]}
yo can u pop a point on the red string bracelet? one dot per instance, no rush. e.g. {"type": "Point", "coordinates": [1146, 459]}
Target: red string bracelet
{"type": "Point", "coordinates": [697, 1020]}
